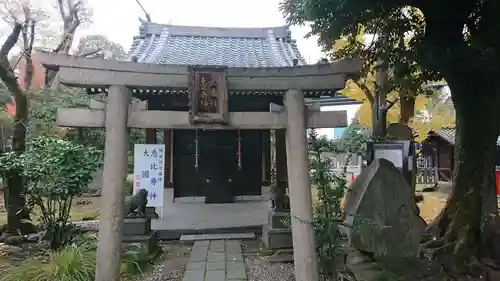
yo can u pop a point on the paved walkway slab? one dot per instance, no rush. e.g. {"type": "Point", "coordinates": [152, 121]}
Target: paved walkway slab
{"type": "Point", "coordinates": [216, 260]}
{"type": "Point", "coordinates": [226, 236]}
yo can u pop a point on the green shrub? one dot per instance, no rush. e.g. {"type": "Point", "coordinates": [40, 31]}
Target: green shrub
{"type": "Point", "coordinates": [129, 187]}
{"type": "Point", "coordinates": [328, 209]}
{"type": "Point", "coordinates": [55, 172]}
{"type": "Point", "coordinates": [75, 262]}
{"type": "Point", "coordinates": [137, 260]}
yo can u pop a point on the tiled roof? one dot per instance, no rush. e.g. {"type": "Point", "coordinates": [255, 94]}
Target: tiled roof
{"type": "Point", "coordinates": [449, 135]}
{"type": "Point", "coordinates": [233, 47]}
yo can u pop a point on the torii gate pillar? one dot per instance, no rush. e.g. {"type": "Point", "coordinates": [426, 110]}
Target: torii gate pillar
{"type": "Point", "coordinates": [299, 187]}
{"type": "Point", "coordinates": [114, 175]}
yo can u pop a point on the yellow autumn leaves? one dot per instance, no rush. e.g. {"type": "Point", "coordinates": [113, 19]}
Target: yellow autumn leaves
{"type": "Point", "coordinates": [428, 116]}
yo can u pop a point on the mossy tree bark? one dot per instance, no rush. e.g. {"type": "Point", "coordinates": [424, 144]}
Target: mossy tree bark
{"type": "Point", "coordinates": [466, 224]}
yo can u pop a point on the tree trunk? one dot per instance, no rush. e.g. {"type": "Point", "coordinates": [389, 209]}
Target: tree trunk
{"type": "Point", "coordinates": [17, 211]}
{"type": "Point", "coordinates": [379, 105]}
{"type": "Point", "coordinates": [14, 193]}
{"type": "Point", "coordinates": [407, 107]}
{"type": "Point", "coordinates": [466, 222]}
{"type": "Point", "coordinates": [2, 178]}
{"type": "Point", "coordinates": [28, 74]}
{"type": "Point", "coordinates": [379, 120]}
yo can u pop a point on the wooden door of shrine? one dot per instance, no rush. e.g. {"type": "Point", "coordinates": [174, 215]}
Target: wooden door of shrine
{"type": "Point", "coordinates": [185, 178]}
{"type": "Point", "coordinates": [249, 174]}
{"type": "Point", "coordinates": [215, 172]}
{"type": "Point", "coordinates": [218, 164]}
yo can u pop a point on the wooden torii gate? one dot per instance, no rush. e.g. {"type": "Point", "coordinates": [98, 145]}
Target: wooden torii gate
{"type": "Point", "coordinates": [121, 79]}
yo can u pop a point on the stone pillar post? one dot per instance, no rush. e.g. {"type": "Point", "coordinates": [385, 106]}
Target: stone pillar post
{"type": "Point", "coordinates": [299, 185]}
{"type": "Point", "coordinates": [151, 136]}
{"type": "Point", "coordinates": [168, 147]}
{"type": "Point", "coordinates": [266, 157]}
{"type": "Point", "coordinates": [281, 162]}
{"type": "Point", "coordinates": [114, 174]}
{"type": "Point", "coordinates": [275, 234]}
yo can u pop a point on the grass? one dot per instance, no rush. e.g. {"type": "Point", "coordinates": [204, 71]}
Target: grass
{"type": "Point", "coordinates": [76, 262]}
{"type": "Point", "coordinates": [78, 211]}
{"type": "Point", "coordinates": [73, 263]}
{"type": "Point", "coordinates": [138, 260]}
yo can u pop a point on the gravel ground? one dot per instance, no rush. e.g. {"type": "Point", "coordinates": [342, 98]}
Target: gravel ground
{"type": "Point", "coordinates": [258, 266]}
{"type": "Point", "coordinates": [260, 269]}
{"type": "Point", "coordinates": [173, 264]}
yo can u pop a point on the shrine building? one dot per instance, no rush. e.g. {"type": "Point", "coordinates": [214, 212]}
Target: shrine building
{"type": "Point", "coordinates": [250, 68]}
{"type": "Point", "coordinates": [216, 94]}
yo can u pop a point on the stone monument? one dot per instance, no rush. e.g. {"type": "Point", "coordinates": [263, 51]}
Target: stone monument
{"type": "Point", "coordinates": [137, 223]}
{"type": "Point", "coordinates": [275, 234]}
{"type": "Point", "coordinates": [381, 215]}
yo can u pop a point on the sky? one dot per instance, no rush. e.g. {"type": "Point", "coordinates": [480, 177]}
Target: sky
{"type": "Point", "coordinates": [119, 19]}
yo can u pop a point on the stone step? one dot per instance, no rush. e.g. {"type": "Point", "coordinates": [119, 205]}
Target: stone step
{"type": "Point", "coordinates": [222, 236]}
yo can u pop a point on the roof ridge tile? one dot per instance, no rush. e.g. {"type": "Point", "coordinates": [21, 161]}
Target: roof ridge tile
{"type": "Point", "coordinates": [229, 46]}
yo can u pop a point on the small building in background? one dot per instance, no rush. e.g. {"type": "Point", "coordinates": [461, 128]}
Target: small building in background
{"type": "Point", "coordinates": [439, 149]}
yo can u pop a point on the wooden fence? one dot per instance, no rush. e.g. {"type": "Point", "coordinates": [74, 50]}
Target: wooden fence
{"type": "Point", "coordinates": [350, 164]}
{"type": "Point", "coordinates": [427, 173]}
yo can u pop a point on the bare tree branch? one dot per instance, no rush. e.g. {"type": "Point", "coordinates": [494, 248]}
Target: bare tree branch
{"type": "Point", "coordinates": [389, 104]}
{"type": "Point", "coordinates": [32, 37]}
{"type": "Point", "coordinates": [10, 15]}
{"type": "Point", "coordinates": [28, 41]}
{"type": "Point", "coordinates": [6, 72]}
{"type": "Point", "coordinates": [70, 13]}
{"type": "Point", "coordinates": [61, 9]}
{"type": "Point", "coordinates": [77, 20]}
{"type": "Point", "coordinates": [11, 41]}
{"type": "Point", "coordinates": [366, 91]}
{"type": "Point", "coordinates": [71, 21]}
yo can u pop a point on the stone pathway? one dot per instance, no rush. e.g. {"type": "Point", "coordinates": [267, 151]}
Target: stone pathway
{"type": "Point", "coordinates": [216, 260]}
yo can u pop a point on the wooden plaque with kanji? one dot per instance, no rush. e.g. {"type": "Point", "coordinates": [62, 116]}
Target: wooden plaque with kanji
{"type": "Point", "coordinates": [208, 95]}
